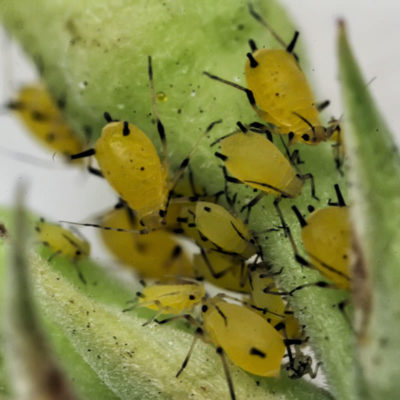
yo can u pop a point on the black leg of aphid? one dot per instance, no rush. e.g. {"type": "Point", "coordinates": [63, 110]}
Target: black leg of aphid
{"type": "Point", "coordinates": [288, 233]}
{"type": "Point", "coordinates": [228, 179]}
{"type": "Point", "coordinates": [253, 61]}
{"type": "Point", "coordinates": [80, 274]}
{"type": "Point", "coordinates": [311, 178]}
{"type": "Point", "coordinates": [321, 106]}
{"type": "Point", "coordinates": [153, 318]}
{"type": "Point", "coordinates": [109, 228]}
{"type": "Point", "coordinates": [313, 374]}
{"type": "Point", "coordinates": [160, 126]}
{"type": "Point", "coordinates": [290, 47]}
{"type": "Point", "coordinates": [215, 275]}
{"type": "Point", "coordinates": [299, 216]}
{"type": "Point", "coordinates": [319, 284]}
{"type": "Point", "coordinates": [83, 154]}
{"type": "Point", "coordinates": [54, 255]}
{"type": "Point", "coordinates": [95, 172]}
{"type": "Point", "coordinates": [221, 353]}
{"type": "Point", "coordinates": [249, 206]}
{"type": "Point", "coordinates": [256, 127]}
{"type": "Point", "coordinates": [185, 162]}
{"type": "Point", "coordinates": [186, 317]}
{"type": "Point", "coordinates": [340, 199]}
{"type": "Point", "coordinates": [187, 358]}
{"type": "Point", "coordinates": [191, 182]}
{"type": "Point", "coordinates": [175, 255]}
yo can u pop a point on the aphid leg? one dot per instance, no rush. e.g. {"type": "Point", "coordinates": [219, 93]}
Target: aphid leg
{"type": "Point", "coordinates": [83, 154]}
{"type": "Point", "coordinates": [257, 127]}
{"type": "Point", "coordinates": [207, 261]}
{"type": "Point", "coordinates": [319, 284]}
{"type": "Point", "coordinates": [294, 157]}
{"type": "Point", "coordinates": [228, 179]}
{"type": "Point", "coordinates": [109, 228]}
{"type": "Point", "coordinates": [322, 105]}
{"type": "Point", "coordinates": [340, 200]}
{"type": "Point", "coordinates": [221, 353]}
{"type": "Point", "coordinates": [186, 160]}
{"type": "Point", "coordinates": [301, 260]}
{"type": "Point", "coordinates": [198, 332]}
{"type": "Point", "coordinates": [249, 206]}
{"type": "Point", "coordinates": [54, 255]}
{"type": "Point", "coordinates": [160, 126]}
{"type": "Point", "coordinates": [312, 183]}
{"type": "Point", "coordinates": [80, 274]}
{"type": "Point", "coordinates": [290, 47]}
{"type": "Point", "coordinates": [95, 171]}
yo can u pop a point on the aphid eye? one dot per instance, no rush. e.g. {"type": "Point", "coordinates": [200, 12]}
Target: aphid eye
{"type": "Point", "coordinates": [306, 137]}
{"type": "Point", "coordinates": [204, 308]}
{"type": "Point", "coordinates": [191, 297]}
{"type": "Point", "coordinates": [78, 252]}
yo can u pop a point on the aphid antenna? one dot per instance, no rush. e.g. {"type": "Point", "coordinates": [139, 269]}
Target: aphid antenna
{"type": "Point", "coordinates": [27, 158]}
{"type": "Point", "coordinates": [109, 228]}
{"type": "Point", "coordinates": [160, 126]}
{"type": "Point", "coordinates": [289, 47]}
{"type": "Point", "coordinates": [330, 268]}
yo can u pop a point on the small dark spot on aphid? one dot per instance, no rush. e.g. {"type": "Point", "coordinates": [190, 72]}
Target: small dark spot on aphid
{"type": "Point", "coordinates": [191, 297]}
{"type": "Point", "coordinates": [50, 137]}
{"type": "Point", "coordinates": [142, 168]}
{"type": "Point", "coordinates": [277, 94]}
{"type": "Point", "coordinates": [256, 352]}
{"type": "Point", "coordinates": [192, 225]}
{"type": "Point", "coordinates": [208, 209]}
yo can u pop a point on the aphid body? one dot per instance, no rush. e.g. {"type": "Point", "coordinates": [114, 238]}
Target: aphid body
{"type": "Point", "coordinates": [326, 238]}
{"type": "Point", "coordinates": [155, 255]}
{"type": "Point", "coordinates": [62, 241]}
{"type": "Point", "coordinates": [44, 120]}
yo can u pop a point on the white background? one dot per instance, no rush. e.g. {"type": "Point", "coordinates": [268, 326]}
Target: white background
{"type": "Point", "coordinates": [61, 193]}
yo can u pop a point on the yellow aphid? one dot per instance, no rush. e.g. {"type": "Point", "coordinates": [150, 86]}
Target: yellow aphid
{"type": "Point", "coordinates": [212, 226]}
{"type": "Point", "coordinates": [62, 241]}
{"type": "Point", "coordinates": [228, 271]}
{"type": "Point", "coordinates": [130, 163]}
{"type": "Point", "coordinates": [327, 239]}
{"type": "Point", "coordinates": [282, 93]}
{"type": "Point", "coordinates": [279, 92]}
{"type": "Point", "coordinates": [171, 299]}
{"type": "Point", "coordinates": [256, 161]}
{"type": "Point", "coordinates": [155, 255]}
{"type": "Point", "coordinates": [44, 120]}
{"type": "Point", "coordinates": [248, 339]}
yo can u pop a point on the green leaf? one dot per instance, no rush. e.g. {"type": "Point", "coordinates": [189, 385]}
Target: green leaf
{"type": "Point", "coordinates": [106, 45]}
{"type": "Point", "coordinates": [33, 372]}
{"type": "Point", "coordinates": [133, 361]}
{"type": "Point", "coordinates": [374, 167]}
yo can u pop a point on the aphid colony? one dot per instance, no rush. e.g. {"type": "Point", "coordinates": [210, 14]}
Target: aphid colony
{"type": "Point", "coordinates": [157, 207]}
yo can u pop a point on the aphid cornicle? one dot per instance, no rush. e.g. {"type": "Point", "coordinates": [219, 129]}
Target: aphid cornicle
{"type": "Point", "coordinates": [63, 242]}
{"type": "Point", "coordinates": [130, 163]}
{"type": "Point", "coordinates": [43, 118]}
{"type": "Point", "coordinates": [155, 255]}
{"type": "Point", "coordinates": [279, 92]}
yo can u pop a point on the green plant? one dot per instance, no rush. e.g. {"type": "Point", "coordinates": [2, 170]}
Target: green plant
{"type": "Point", "coordinates": [106, 45]}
